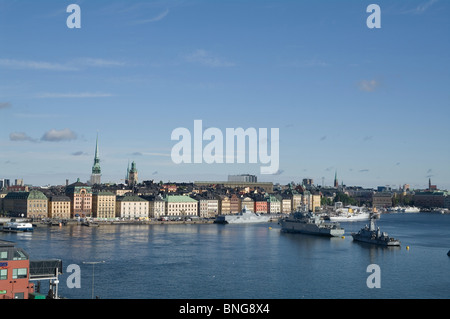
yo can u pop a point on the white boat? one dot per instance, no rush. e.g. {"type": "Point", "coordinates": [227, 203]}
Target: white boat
{"type": "Point", "coordinates": [440, 210]}
{"type": "Point", "coordinates": [410, 209]}
{"type": "Point", "coordinates": [17, 227]}
{"type": "Point", "coordinates": [350, 217]}
{"type": "Point", "coordinates": [348, 213]}
{"type": "Point", "coordinates": [243, 217]}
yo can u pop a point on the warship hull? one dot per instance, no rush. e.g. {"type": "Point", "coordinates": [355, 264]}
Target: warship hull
{"type": "Point", "coordinates": [376, 241]}
{"type": "Point", "coordinates": [373, 235]}
{"type": "Point", "coordinates": [244, 217]}
{"type": "Point", "coordinates": [327, 230]}
{"type": "Point", "coordinates": [230, 219]}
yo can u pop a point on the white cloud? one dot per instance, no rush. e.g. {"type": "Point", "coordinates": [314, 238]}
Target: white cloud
{"type": "Point", "coordinates": [159, 17]}
{"type": "Point", "coordinates": [20, 137]}
{"type": "Point", "coordinates": [73, 95]}
{"type": "Point", "coordinates": [95, 62]}
{"type": "Point", "coordinates": [58, 136]}
{"type": "Point", "coordinates": [422, 7]}
{"type": "Point", "coordinates": [205, 58]}
{"type": "Point", "coordinates": [73, 65]}
{"type": "Point", "coordinates": [368, 85]}
{"type": "Point", "coordinates": [34, 65]}
{"type": "Point", "coordinates": [311, 63]}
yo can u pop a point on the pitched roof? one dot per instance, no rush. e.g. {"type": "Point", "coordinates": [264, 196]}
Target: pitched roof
{"type": "Point", "coordinates": [130, 199]}
{"type": "Point", "coordinates": [179, 199]}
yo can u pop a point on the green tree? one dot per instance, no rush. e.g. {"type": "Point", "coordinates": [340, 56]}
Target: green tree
{"type": "Point", "coordinates": [345, 199]}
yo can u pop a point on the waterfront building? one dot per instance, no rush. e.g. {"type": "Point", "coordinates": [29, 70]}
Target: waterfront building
{"type": "Point", "coordinates": [224, 204]}
{"type": "Point", "coordinates": [80, 196]}
{"type": "Point", "coordinates": [315, 202]}
{"type": "Point", "coordinates": [261, 206]}
{"type": "Point", "coordinates": [208, 207]}
{"type": "Point", "coordinates": [447, 201]}
{"type": "Point", "coordinates": [104, 205]}
{"type": "Point", "coordinates": [293, 195]}
{"type": "Point", "coordinates": [157, 207]}
{"type": "Point", "coordinates": [311, 201]}
{"type": "Point", "coordinates": [430, 199]}
{"type": "Point", "coordinates": [286, 205]}
{"type": "Point", "coordinates": [273, 205]}
{"type": "Point", "coordinates": [297, 200]}
{"type": "Point", "coordinates": [96, 170]}
{"type": "Point", "coordinates": [131, 207]}
{"type": "Point", "coordinates": [364, 196]}
{"type": "Point", "coordinates": [248, 203]}
{"type": "Point", "coordinates": [32, 204]}
{"type": "Point", "coordinates": [235, 204]}
{"type": "Point", "coordinates": [59, 207]}
{"type": "Point", "coordinates": [14, 272]}
{"type": "Point", "coordinates": [181, 206]}
{"type": "Point", "coordinates": [382, 200]}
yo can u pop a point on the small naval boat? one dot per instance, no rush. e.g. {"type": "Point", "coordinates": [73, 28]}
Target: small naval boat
{"type": "Point", "coordinates": [309, 223]}
{"type": "Point", "coordinates": [17, 227]}
{"type": "Point", "coordinates": [372, 235]}
{"type": "Point", "coordinates": [245, 216]}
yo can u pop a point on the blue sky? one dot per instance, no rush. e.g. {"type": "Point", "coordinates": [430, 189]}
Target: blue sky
{"type": "Point", "coordinates": [371, 104]}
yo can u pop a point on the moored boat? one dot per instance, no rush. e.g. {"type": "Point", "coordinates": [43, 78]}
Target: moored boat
{"type": "Point", "coordinates": [245, 216]}
{"type": "Point", "coordinates": [18, 227]}
{"type": "Point", "coordinates": [311, 224]}
{"type": "Point", "coordinates": [348, 213]}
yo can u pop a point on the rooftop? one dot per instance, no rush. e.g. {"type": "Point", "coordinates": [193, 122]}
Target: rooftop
{"type": "Point", "coordinates": [130, 199]}
{"type": "Point", "coordinates": [179, 199]}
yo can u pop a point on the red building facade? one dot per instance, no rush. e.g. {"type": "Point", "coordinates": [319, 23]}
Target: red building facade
{"type": "Point", "coordinates": [14, 272]}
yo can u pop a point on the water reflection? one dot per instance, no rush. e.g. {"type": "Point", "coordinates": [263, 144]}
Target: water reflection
{"type": "Point", "coordinates": [246, 261]}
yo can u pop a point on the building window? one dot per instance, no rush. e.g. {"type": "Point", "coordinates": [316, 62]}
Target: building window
{"type": "Point", "coordinates": [3, 274]}
{"type": "Point", "coordinates": [19, 273]}
{"type": "Point", "coordinates": [3, 255]}
{"type": "Point", "coordinates": [19, 255]}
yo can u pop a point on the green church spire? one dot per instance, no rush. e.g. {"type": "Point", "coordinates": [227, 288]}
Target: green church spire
{"type": "Point", "coordinates": [96, 170]}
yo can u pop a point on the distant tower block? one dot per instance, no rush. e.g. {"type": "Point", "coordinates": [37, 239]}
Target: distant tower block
{"type": "Point", "coordinates": [96, 175]}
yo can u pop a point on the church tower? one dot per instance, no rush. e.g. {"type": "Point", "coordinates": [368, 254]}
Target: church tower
{"type": "Point", "coordinates": [96, 170]}
{"type": "Point", "coordinates": [336, 183]}
{"type": "Point", "coordinates": [133, 175]}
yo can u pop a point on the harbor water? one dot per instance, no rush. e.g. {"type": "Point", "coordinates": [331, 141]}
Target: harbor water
{"type": "Point", "coordinates": [258, 261]}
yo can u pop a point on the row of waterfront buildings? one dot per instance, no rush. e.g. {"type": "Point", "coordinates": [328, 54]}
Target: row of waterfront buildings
{"type": "Point", "coordinates": [201, 199]}
{"type": "Point", "coordinates": [83, 200]}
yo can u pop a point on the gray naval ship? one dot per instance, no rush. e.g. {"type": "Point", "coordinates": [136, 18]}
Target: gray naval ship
{"type": "Point", "coordinates": [244, 217]}
{"type": "Point", "coordinates": [372, 235]}
{"type": "Point", "coordinates": [309, 223]}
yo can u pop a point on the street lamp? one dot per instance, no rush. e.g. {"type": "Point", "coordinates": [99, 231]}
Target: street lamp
{"type": "Point", "coordinates": [93, 263]}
